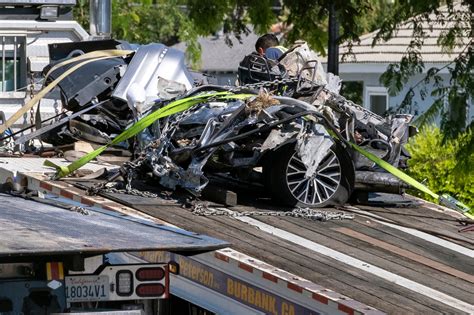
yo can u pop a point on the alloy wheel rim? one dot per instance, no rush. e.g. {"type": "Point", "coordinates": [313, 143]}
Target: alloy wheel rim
{"type": "Point", "coordinates": [317, 188]}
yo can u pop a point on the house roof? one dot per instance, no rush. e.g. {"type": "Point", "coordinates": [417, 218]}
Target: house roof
{"type": "Point", "coordinates": [217, 56]}
{"type": "Point", "coordinates": [395, 48]}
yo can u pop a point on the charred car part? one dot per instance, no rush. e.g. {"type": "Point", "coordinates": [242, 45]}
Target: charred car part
{"type": "Point", "coordinates": [94, 80]}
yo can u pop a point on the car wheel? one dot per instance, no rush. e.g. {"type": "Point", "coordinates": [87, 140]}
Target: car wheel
{"type": "Point", "coordinates": [332, 183]}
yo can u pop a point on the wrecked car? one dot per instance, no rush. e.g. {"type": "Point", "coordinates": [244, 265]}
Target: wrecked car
{"type": "Point", "coordinates": [290, 134]}
{"type": "Point", "coordinates": [277, 141]}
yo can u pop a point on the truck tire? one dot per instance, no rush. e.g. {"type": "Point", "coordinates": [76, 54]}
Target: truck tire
{"type": "Point", "coordinates": [331, 185]}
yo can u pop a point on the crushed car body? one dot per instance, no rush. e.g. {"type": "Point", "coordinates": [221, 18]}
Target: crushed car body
{"type": "Point", "coordinates": [289, 134]}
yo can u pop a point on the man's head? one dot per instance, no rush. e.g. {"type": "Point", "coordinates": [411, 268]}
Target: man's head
{"type": "Point", "coordinates": [264, 42]}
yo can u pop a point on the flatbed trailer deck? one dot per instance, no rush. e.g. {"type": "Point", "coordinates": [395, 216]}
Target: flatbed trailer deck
{"type": "Point", "coordinates": [390, 267]}
{"type": "Point", "coordinates": [389, 258]}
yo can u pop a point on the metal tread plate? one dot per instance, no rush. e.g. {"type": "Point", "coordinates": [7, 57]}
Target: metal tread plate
{"type": "Point", "coordinates": [31, 228]}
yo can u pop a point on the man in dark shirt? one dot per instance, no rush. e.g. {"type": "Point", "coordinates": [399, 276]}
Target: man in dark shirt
{"type": "Point", "coordinates": [262, 64]}
{"type": "Point", "coordinates": [268, 46]}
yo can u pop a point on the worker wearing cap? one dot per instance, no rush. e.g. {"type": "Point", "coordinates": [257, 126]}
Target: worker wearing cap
{"type": "Point", "coordinates": [268, 45]}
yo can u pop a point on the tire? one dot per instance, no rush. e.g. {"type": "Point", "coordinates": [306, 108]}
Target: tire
{"type": "Point", "coordinates": [332, 184]}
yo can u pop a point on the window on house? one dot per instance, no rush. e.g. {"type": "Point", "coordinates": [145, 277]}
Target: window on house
{"type": "Point", "coordinates": [376, 99]}
{"type": "Point", "coordinates": [12, 63]}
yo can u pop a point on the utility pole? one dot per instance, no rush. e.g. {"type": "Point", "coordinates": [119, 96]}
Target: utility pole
{"type": "Point", "coordinates": [333, 47]}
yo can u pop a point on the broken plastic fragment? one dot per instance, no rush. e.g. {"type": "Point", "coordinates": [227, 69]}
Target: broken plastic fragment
{"type": "Point", "coordinates": [168, 89]}
{"type": "Point", "coordinates": [276, 138]}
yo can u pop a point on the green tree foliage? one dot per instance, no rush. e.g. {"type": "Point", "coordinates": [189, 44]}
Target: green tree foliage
{"type": "Point", "coordinates": [162, 21]}
{"type": "Point", "coordinates": [169, 21]}
{"type": "Point", "coordinates": [452, 97]}
{"type": "Point", "coordinates": [379, 11]}
{"type": "Point", "coordinates": [353, 90]}
{"type": "Point", "coordinates": [307, 19]}
{"type": "Point", "coordinates": [81, 13]}
{"type": "Point", "coordinates": [149, 21]}
{"type": "Point", "coordinates": [434, 161]}
{"type": "Point", "coordinates": [458, 18]}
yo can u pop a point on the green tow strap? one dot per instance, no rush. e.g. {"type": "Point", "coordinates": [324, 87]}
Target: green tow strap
{"type": "Point", "coordinates": [444, 200]}
{"type": "Point", "coordinates": [170, 109]}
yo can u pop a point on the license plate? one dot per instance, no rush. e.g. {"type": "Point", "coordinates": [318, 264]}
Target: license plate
{"type": "Point", "coordinates": [87, 288]}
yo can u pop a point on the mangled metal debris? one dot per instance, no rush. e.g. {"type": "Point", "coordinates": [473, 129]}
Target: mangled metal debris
{"type": "Point", "coordinates": [289, 133]}
{"type": "Point", "coordinates": [277, 138]}
{"type": "Point", "coordinates": [312, 147]}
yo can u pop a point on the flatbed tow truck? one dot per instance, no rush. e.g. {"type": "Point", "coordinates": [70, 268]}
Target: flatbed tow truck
{"type": "Point", "coordinates": [399, 255]}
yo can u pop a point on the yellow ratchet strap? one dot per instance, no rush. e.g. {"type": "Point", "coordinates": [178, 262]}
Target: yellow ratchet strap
{"type": "Point", "coordinates": [444, 199]}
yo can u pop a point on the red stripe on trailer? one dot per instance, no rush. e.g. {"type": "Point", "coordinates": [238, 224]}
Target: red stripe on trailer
{"type": "Point", "coordinates": [61, 185]}
{"type": "Point", "coordinates": [302, 286]}
{"type": "Point", "coordinates": [345, 309]}
{"type": "Point", "coordinates": [221, 257]}
{"type": "Point", "coordinates": [320, 298]}
{"type": "Point", "coordinates": [72, 193]}
{"type": "Point", "coordinates": [66, 194]}
{"type": "Point", "coordinates": [87, 201]}
{"type": "Point", "coordinates": [46, 186]}
{"type": "Point", "coordinates": [107, 206]}
{"type": "Point", "coordinates": [294, 287]}
{"type": "Point", "coordinates": [269, 276]}
{"type": "Point", "coordinates": [245, 267]}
